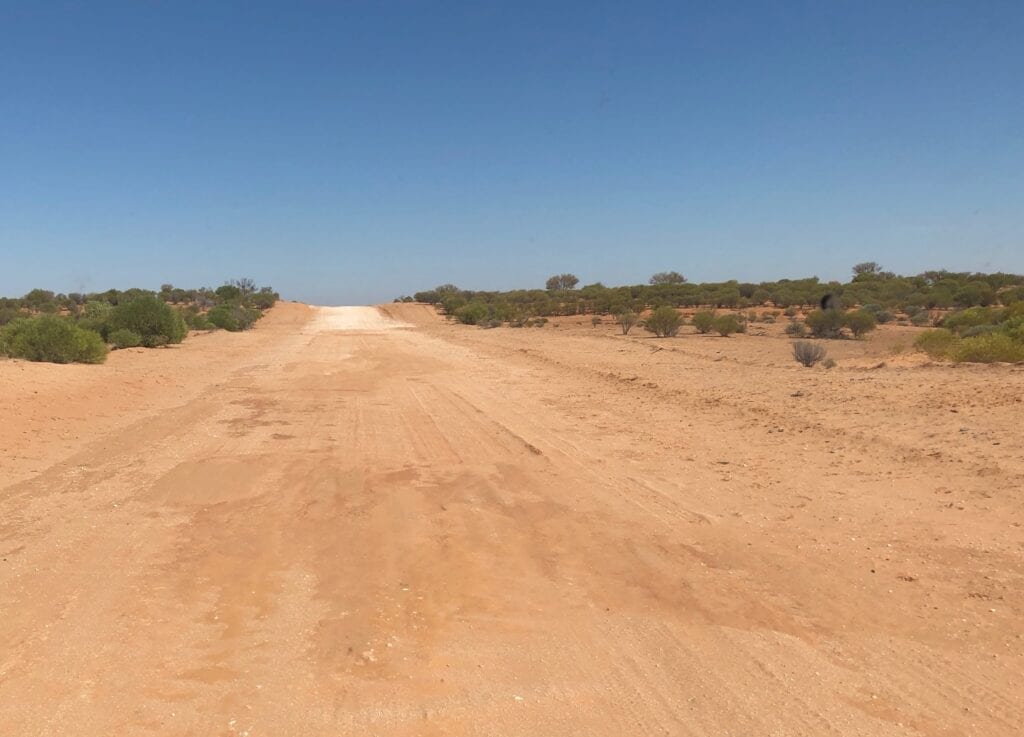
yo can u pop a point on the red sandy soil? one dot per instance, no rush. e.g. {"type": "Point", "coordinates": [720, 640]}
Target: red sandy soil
{"type": "Point", "coordinates": [356, 522]}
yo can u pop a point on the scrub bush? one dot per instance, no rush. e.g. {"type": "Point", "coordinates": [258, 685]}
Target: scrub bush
{"type": "Point", "coordinates": [726, 325]}
{"type": "Point", "coordinates": [988, 349]}
{"type": "Point", "coordinates": [859, 322]}
{"type": "Point", "coordinates": [232, 317]}
{"type": "Point", "coordinates": [626, 321]}
{"type": "Point", "coordinates": [704, 321]}
{"type": "Point", "coordinates": [124, 338]}
{"type": "Point", "coordinates": [825, 323]}
{"type": "Point", "coordinates": [807, 353]}
{"type": "Point", "coordinates": [664, 322]}
{"type": "Point", "coordinates": [52, 339]}
{"type": "Point", "coordinates": [938, 343]}
{"type": "Point", "coordinates": [155, 321]}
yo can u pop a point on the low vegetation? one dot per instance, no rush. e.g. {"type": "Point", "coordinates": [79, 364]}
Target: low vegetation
{"type": "Point", "coordinates": [882, 293]}
{"type": "Point", "coordinates": [796, 329]}
{"type": "Point", "coordinates": [626, 320]}
{"type": "Point", "coordinates": [973, 306]}
{"type": "Point", "coordinates": [79, 328]}
{"type": "Point", "coordinates": [53, 339]}
{"type": "Point", "coordinates": [807, 353]}
{"type": "Point", "coordinates": [978, 334]}
{"type": "Point", "coordinates": [704, 321]}
{"type": "Point", "coordinates": [726, 325]}
{"type": "Point", "coordinates": [154, 321]}
{"type": "Point", "coordinates": [664, 322]}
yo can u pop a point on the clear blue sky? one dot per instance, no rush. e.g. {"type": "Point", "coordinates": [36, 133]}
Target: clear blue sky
{"type": "Point", "coordinates": [350, 152]}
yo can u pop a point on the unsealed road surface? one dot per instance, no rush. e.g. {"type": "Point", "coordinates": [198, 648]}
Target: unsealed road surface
{"type": "Point", "coordinates": [342, 524]}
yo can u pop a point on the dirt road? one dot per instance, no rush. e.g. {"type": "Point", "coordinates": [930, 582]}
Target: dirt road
{"type": "Point", "coordinates": [345, 523]}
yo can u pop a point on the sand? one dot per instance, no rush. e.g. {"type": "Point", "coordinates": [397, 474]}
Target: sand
{"type": "Point", "coordinates": [356, 521]}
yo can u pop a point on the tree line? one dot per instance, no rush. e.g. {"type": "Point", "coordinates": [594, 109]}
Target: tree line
{"type": "Point", "coordinates": [869, 285]}
{"type": "Point", "coordinates": [76, 327]}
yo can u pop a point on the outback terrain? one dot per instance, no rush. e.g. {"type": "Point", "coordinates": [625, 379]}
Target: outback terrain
{"type": "Point", "coordinates": [369, 521]}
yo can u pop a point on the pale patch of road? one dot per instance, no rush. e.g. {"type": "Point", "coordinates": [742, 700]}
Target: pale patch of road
{"type": "Point", "coordinates": [354, 318]}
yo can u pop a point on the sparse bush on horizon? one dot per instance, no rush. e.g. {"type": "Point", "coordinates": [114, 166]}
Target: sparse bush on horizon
{"type": "Point", "coordinates": [667, 277]}
{"type": "Point", "coordinates": [562, 282]}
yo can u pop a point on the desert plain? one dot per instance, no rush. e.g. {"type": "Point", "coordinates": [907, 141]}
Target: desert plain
{"type": "Point", "coordinates": [371, 521]}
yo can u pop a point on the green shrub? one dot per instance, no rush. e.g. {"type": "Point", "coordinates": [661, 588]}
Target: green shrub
{"type": "Point", "coordinates": [664, 322]}
{"type": "Point", "coordinates": [859, 322]}
{"type": "Point", "coordinates": [988, 349]}
{"type": "Point", "coordinates": [921, 318]}
{"type": "Point", "coordinates": [1012, 296]}
{"type": "Point", "coordinates": [790, 311]}
{"type": "Point", "coordinates": [9, 314]}
{"type": "Point", "coordinates": [976, 330]}
{"type": "Point", "coordinates": [796, 329]}
{"type": "Point", "coordinates": [961, 321]}
{"type": "Point", "coordinates": [155, 321]}
{"type": "Point", "coordinates": [704, 321]}
{"type": "Point", "coordinates": [228, 293]}
{"type": "Point", "coordinates": [626, 321]}
{"type": "Point", "coordinates": [726, 325]}
{"type": "Point", "coordinates": [52, 339]}
{"type": "Point", "coordinates": [938, 343]}
{"type": "Point", "coordinates": [807, 353]}
{"type": "Point", "coordinates": [95, 316]}
{"type": "Point", "coordinates": [196, 320]}
{"type": "Point", "coordinates": [472, 313]}
{"type": "Point", "coordinates": [40, 300]}
{"type": "Point", "coordinates": [1014, 327]}
{"type": "Point", "coordinates": [232, 317]}
{"type": "Point", "coordinates": [825, 323]}
{"type": "Point", "coordinates": [1014, 310]}
{"type": "Point", "coordinates": [880, 314]}
{"type": "Point", "coordinates": [265, 300]}
{"type": "Point", "coordinates": [97, 309]}
{"type": "Point", "coordinates": [124, 338]}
